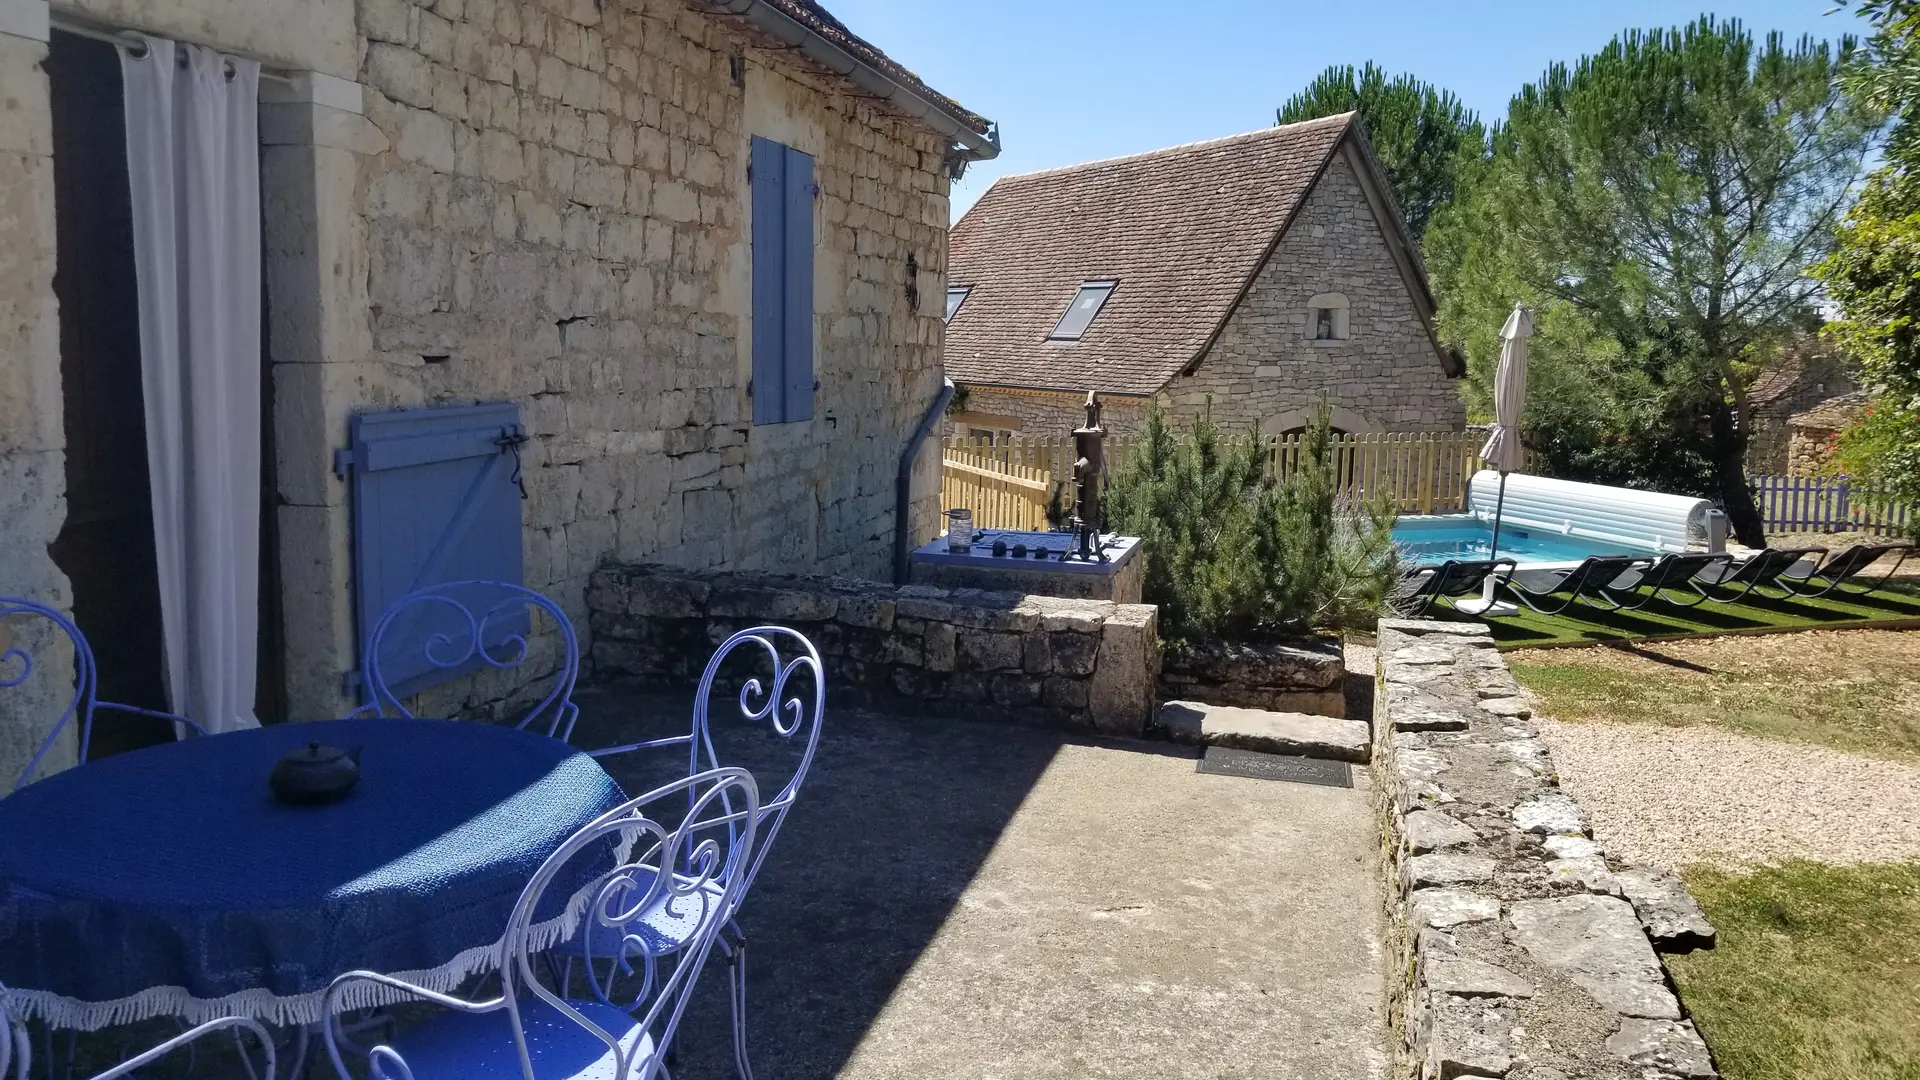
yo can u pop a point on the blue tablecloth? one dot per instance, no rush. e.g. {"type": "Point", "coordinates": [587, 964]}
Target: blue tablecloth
{"type": "Point", "coordinates": [168, 880]}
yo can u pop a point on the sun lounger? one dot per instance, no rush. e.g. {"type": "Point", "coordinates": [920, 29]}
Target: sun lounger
{"type": "Point", "coordinates": [1842, 566]}
{"type": "Point", "coordinates": [1637, 588]}
{"type": "Point", "coordinates": [1755, 573]}
{"type": "Point", "coordinates": [1587, 581]}
{"type": "Point", "coordinates": [1452, 579]}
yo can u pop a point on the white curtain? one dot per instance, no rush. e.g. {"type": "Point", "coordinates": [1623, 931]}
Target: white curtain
{"type": "Point", "coordinates": [193, 163]}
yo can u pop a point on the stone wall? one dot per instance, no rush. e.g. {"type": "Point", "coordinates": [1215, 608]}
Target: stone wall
{"type": "Point", "coordinates": [1304, 676]}
{"type": "Point", "coordinates": [32, 442]}
{"type": "Point", "coordinates": [1266, 369]}
{"type": "Point", "coordinates": [542, 201]}
{"type": "Point", "coordinates": [917, 648]}
{"type": "Point", "coordinates": [563, 220]}
{"type": "Point", "coordinates": [1522, 950]}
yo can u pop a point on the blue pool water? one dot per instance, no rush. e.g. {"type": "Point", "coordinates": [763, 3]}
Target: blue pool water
{"type": "Point", "coordinates": [1434, 540]}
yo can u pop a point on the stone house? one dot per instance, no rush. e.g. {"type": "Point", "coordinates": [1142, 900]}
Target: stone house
{"type": "Point", "coordinates": [1813, 436]}
{"type": "Point", "coordinates": [1801, 377]}
{"type": "Point", "coordinates": [550, 205]}
{"type": "Point", "coordinates": [1249, 275]}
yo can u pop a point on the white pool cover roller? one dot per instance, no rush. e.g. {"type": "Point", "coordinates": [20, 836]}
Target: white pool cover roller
{"type": "Point", "coordinates": [1647, 520]}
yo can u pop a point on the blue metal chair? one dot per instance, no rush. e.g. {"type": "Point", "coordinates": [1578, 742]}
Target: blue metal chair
{"type": "Point", "coordinates": [461, 625]}
{"type": "Point", "coordinates": [16, 1051]}
{"type": "Point", "coordinates": [83, 704]}
{"type": "Point", "coordinates": [787, 716]}
{"type": "Point", "coordinates": [660, 880]}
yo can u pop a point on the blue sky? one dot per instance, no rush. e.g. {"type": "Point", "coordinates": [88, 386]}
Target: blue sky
{"type": "Point", "coordinates": [1077, 80]}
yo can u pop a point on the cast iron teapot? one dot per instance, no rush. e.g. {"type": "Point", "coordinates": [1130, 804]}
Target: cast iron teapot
{"type": "Point", "coordinates": [314, 775]}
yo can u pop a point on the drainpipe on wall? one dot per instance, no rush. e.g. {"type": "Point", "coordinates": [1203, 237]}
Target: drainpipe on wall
{"type": "Point", "coordinates": [970, 145]}
{"type": "Point", "coordinates": [903, 482]}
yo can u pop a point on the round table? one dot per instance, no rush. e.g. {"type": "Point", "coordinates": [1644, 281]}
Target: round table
{"type": "Point", "coordinates": [168, 881]}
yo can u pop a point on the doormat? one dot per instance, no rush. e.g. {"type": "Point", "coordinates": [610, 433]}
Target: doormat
{"type": "Point", "coordinates": [1227, 761]}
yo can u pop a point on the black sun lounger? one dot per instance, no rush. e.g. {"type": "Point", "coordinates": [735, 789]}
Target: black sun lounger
{"type": "Point", "coordinates": [1841, 566]}
{"type": "Point", "coordinates": [1451, 579]}
{"type": "Point", "coordinates": [1587, 581]}
{"type": "Point", "coordinates": [1755, 572]}
{"type": "Point", "coordinates": [1637, 588]}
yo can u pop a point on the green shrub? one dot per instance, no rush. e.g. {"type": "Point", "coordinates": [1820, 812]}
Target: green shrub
{"type": "Point", "coordinates": [1233, 554]}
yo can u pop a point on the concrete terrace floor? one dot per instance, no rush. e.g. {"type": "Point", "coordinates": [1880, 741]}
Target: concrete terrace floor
{"type": "Point", "coordinates": [983, 900]}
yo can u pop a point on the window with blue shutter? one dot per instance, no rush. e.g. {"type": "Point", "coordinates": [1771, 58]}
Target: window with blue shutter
{"type": "Point", "coordinates": [783, 193]}
{"type": "Point", "coordinates": [436, 498]}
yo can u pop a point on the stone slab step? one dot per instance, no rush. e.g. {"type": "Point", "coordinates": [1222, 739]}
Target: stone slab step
{"type": "Point", "coordinates": [1303, 734]}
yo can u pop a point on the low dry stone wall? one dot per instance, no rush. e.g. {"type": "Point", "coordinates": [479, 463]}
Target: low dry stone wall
{"type": "Point", "coordinates": [1305, 676]}
{"type": "Point", "coordinates": [1525, 952]}
{"type": "Point", "coordinates": [1082, 663]}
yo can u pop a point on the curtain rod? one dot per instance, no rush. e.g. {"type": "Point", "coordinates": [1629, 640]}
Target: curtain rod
{"type": "Point", "coordinates": [134, 43]}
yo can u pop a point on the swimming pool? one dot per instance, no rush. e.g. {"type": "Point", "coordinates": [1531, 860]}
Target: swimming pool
{"type": "Point", "coordinates": [1430, 541]}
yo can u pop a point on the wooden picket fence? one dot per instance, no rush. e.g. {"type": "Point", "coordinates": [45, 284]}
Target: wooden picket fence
{"type": "Point", "coordinates": [1829, 504]}
{"type": "Point", "coordinates": [1008, 481]}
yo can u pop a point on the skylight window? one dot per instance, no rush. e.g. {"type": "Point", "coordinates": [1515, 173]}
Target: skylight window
{"type": "Point", "coordinates": [956, 295]}
{"type": "Point", "coordinates": [1086, 304]}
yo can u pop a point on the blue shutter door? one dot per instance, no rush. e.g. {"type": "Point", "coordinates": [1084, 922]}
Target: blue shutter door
{"type": "Point", "coordinates": [768, 169]}
{"type": "Point", "coordinates": [798, 299]}
{"type": "Point", "coordinates": [434, 500]}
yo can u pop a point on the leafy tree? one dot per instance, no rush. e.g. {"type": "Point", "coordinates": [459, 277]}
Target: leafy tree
{"type": "Point", "coordinates": [1233, 553]}
{"type": "Point", "coordinates": [1874, 272]}
{"type": "Point", "coordinates": [1417, 131]}
{"type": "Point", "coordinates": [1660, 203]}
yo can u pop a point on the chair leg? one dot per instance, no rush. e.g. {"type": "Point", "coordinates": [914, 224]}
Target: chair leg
{"type": "Point", "coordinates": [737, 995]}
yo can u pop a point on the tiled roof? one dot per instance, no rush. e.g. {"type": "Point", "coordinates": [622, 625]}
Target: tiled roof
{"type": "Point", "coordinates": [1778, 379]}
{"type": "Point", "coordinates": [1182, 229]}
{"type": "Point", "coordinates": [821, 21]}
{"type": "Point", "coordinates": [1833, 415]}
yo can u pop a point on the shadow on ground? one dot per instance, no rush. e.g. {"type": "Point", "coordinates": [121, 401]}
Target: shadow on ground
{"type": "Point", "coordinates": [894, 820]}
{"type": "Point", "coordinates": [972, 898]}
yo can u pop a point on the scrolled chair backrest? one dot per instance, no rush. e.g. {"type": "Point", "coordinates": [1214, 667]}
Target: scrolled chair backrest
{"type": "Point", "coordinates": [691, 872]}
{"type": "Point", "coordinates": [460, 625]}
{"type": "Point", "coordinates": [788, 714]}
{"type": "Point", "coordinates": [17, 668]}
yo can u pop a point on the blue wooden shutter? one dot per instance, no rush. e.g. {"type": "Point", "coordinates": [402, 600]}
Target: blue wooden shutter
{"type": "Point", "coordinates": [435, 499]}
{"type": "Point", "coordinates": [783, 190]}
{"type": "Point", "coordinates": [769, 170]}
{"type": "Point", "coordinates": [798, 322]}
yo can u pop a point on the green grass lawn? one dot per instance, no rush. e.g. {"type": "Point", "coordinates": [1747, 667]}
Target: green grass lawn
{"type": "Point", "coordinates": [1584, 625]}
{"type": "Point", "coordinates": [1816, 973]}
{"type": "Point", "coordinates": [1854, 691]}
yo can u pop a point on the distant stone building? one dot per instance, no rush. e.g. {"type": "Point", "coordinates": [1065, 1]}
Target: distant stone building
{"type": "Point", "coordinates": [1799, 378]}
{"type": "Point", "coordinates": [1247, 275]}
{"type": "Point", "coordinates": [1814, 436]}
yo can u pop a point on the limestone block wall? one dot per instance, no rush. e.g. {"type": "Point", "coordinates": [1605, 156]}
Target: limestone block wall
{"type": "Point", "coordinates": [563, 220]}
{"type": "Point", "coordinates": [1266, 368]}
{"type": "Point", "coordinates": [32, 441]}
{"type": "Point", "coordinates": [918, 648]}
{"type": "Point", "coordinates": [1523, 949]}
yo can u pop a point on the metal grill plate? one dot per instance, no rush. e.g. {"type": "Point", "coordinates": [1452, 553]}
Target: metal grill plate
{"type": "Point", "coordinates": [1227, 761]}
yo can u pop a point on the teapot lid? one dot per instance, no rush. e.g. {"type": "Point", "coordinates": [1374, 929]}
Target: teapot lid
{"type": "Point", "coordinates": [315, 754]}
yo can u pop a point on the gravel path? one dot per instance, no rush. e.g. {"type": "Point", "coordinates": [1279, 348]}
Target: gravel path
{"type": "Point", "coordinates": [1675, 795]}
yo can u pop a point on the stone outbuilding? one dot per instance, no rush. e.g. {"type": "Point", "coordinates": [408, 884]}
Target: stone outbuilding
{"type": "Point", "coordinates": [1800, 377]}
{"type": "Point", "coordinates": [1250, 275]}
{"type": "Point", "coordinates": [690, 255]}
{"type": "Point", "coordinates": [1814, 435]}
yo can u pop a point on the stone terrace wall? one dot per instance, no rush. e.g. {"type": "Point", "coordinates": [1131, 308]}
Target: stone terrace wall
{"type": "Point", "coordinates": [1082, 663]}
{"type": "Point", "coordinates": [1524, 952]}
